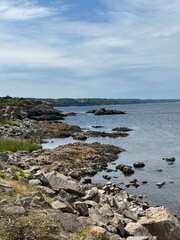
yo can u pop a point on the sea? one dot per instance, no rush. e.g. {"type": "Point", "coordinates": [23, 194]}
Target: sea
{"type": "Point", "coordinates": [155, 134]}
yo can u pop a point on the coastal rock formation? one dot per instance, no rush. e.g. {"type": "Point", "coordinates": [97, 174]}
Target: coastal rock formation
{"type": "Point", "coordinates": [36, 188]}
{"type": "Point", "coordinates": [19, 108]}
{"type": "Point", "coordinates": [121, 129]}
{"type": "Point", "coordinates": [103, 111]}
{"type": "Point", "coordinates": [79, 136]}
{"type": "Point", "coordinates": [105, 212]}
{"type": "Point", "coordinates": [43, 194]}
{"type": "Point", "coordinates": [105, 134]}
{"type": "Point", "coordinates": [77, 159]}
{"type": "Point", "coordinates": [37, 130]}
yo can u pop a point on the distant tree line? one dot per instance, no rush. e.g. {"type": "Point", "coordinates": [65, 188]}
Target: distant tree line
{"type": "Point", "coordinates": [66, 102]}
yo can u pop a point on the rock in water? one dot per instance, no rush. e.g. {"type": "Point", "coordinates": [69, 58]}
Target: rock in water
{"type": "Point", "coordinates": [160, 184]}
{"type": "Point", "coordinates": [169, 159]}
{"type": "Point", "coordinates": [139, 165]}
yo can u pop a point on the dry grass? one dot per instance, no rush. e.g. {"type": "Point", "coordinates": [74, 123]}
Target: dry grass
{"type": "Point", "coordinates": [17, 186]}
{"type": "Point", "coordinates": [36, 225]}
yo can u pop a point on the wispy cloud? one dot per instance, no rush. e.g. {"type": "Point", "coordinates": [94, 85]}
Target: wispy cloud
{"type": "Point", "coordinates": [126, 46]}
{"type": "Point", "coordinates": [22, 10]}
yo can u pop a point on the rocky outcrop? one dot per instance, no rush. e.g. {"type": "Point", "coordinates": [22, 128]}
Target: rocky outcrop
{"type": "Point", "coordinates": [103, 111]}
{"type": "Point", "coordinates": [37, 130]}
{"type": "Point", "coordinates": [79, 136]}
{"type": "Point", "coordinates": [121, 129]}
{"type": "Point", "coordinates": [76, 160]}
{"type": "Point", "coordinates": [105, 134]}
{"type": "Point", "coordinates": [15, 108]}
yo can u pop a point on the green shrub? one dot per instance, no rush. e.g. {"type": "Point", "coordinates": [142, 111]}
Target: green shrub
{"type": "Point", "coordinates": [19, 175]}
{"type": "Point", "coordinates": [13, 145]}
{"type": "Point", "coordinates": [2, 175]}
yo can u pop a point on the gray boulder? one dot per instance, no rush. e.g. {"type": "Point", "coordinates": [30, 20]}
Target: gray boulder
{"type": "Point", "coordinates": [58, 181]}
{"type": "Point", "coordinates": [136, 229]}
{"type": "Point", "coordinates": [161, 223]}
{"type": "Point", "coordinates": [68, 221]}
{"type": "Point", "coordinates": [82, 208]}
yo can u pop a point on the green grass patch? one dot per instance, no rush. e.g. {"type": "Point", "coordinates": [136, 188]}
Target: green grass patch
{"type": "Point", "coordinates": [12, 123]}
{"type": "Point", "coordinates": [2, 175]}
{"type": "Point", "coordinates": [14, 145]}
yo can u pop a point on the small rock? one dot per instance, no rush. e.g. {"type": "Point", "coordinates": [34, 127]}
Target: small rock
{"type": "Point", "coordinates": [106, 210]}
{"type": "Point", "coordinates": [15, 210]}
{"type": "Point", "coordinates": [68, 221]}
{"type": "Point", "coordinates": [98, 232]}
{"type": "Point", "coordinates": [87, 180]}
{"type": "Point", "coordinates": [62, 206]}
{"type": "Point", "coordinates": [130, 215]}
{"type": "Point", "coordinates": [169, 159]}
{"type": "Point", "coordinates": [160, 184]}
{"type": "Point", "coordinates": [92, 194]}
{"type": "Point", "coordinates": [144, 182]}
{"type": "Point", "coordinates": [46, 190]}
{"type": "Point", "coordinates": [136, 229]}
{"type": "Point", "coordinates": [82, 208]}
{"type": "Point", "coordinates": [34, 182]}
{"type": "Point", "coordinates": [139, 164]}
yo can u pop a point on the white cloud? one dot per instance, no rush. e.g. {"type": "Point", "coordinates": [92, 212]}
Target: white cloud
{"type": "Point", "coordinates": [137, 37]}
{"type": "Point", "coordinates": [22, 10]}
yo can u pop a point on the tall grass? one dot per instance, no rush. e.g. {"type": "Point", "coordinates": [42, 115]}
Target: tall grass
{"type": "Point", "coordinates": [13, 145]}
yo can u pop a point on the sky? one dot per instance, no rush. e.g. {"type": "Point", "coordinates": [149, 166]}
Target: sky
{"type": "Point", "coordinates": [90, 48]}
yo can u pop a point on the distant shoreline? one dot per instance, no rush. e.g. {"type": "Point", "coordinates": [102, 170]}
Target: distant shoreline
{"type": "Point", "coordinates": [68, 102]}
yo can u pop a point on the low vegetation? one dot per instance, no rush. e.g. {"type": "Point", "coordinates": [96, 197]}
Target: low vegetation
{"type": "Point", "coordinates": [14, 145]}
{"type": "Point", "coordinates": [4, 121]}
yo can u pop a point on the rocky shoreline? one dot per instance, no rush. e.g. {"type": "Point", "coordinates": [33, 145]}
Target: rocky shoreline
{"type": "Point", "coordinates": [48, 193]}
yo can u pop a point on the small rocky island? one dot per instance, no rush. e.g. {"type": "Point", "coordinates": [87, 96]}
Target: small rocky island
{"type": "Point", "coordinates": [103, 111]}
{"type": "Point", "coordinates": [47, 194]}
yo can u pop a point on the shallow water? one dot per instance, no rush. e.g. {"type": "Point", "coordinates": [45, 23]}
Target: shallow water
{"type": "Point", "coordinates": [156, 134]}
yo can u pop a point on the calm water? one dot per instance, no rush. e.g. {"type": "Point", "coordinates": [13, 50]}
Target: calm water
{"type": "Point", "coordinates": [156, 134]}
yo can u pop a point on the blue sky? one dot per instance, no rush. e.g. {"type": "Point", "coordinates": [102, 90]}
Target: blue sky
{"type": "Point", "coordinates": [90, 48]}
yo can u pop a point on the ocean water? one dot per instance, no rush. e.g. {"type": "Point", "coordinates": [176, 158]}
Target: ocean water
{"type": "Point", "coordinates": [155, 134]}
